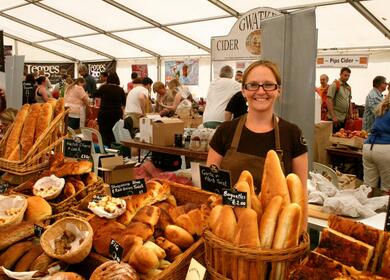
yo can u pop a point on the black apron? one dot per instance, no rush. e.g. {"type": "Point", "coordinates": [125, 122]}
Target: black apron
{"type": "Point", "coordinates": [236, 162]}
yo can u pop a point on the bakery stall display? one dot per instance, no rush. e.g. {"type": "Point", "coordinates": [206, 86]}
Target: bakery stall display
{"type": "Point", "coordinates": [262, 240]}
{"type": "Point", "coordinates": [348, 249]}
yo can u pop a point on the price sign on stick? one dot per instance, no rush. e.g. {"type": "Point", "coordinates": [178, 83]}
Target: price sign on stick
{"type": "Point", "coordinates": [3, 187]}
{"type": "Point", "coordinates": [234, 198]}
{"type": "Point", "coordinates": [116, 251]}
{"type": "Point", "coordinates": [213, 179]}
{"type": "Point", "coordinates": [77, 148]}
{"type": "Point", "coordinates": [387, 221]}
{"type": "Point", "coordinates": [38, 230]}
{"type": "Point", "coordinates": [128, 188]}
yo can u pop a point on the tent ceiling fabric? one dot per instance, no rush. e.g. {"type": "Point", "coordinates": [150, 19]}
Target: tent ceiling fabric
{"type": "Point", "coordinates": [118, 29]}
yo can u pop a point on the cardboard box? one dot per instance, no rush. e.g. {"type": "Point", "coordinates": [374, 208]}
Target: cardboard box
{"type": "Point", "coordinates": [160, 131]}
{"type": "Point", "coordinates": [113, 170]}
{"type": "Point", "coordinates": [356, 142]}
{"type": "Point", "coordinates": [192, 121]}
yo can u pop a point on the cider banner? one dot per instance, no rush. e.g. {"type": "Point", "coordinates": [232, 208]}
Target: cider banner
{"type": "Point", "coordinates": [244, 40]}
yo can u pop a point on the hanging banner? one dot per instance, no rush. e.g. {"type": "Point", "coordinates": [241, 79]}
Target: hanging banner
{"type": "Point", "coordinates": [95, 68]}
{"type": "Point", "coordinates": [244, 40]}
{"type": "Point", "coordinates": [186, 71]}
{"type": "Point", "coordinates": [140, 69]}
{"type": "Point", "coordinates": [338, 61]}
{"type": "Point", "coordinates": [51, 70]}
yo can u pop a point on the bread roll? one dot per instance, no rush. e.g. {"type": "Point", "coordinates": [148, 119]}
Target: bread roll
{"type": "Point", "coordinates": [171, 249]}
{"type": "Point", "coordinates": [9, 258]}
{"type": "Point", "coordinates": [15, 233]}
{"type": "Point", "coordinates": [148, 215]}
{"type": "Point", "coordinates": [74, 168]}
{"type": "Point", "coordinates": [25, 262]}
{"type": "Point", "coordinates": [248, 229]}
{"type": "Point", "coordinates": [69, 189]}
{"type": "Point", "coordinates": [37, 209]}
{"type": "Point", "coordinates": [160, 253]}
{"type": "Point", "coordinates": [14, 136]}
{"type": "Point", "coordinates": [111, 270]}
{"type": "Point", "coordinates": [214, 217]}
{"type": "Point", "coordinates": [255, 202]}
{"type": "Point", "coordinates": [273, 182]}
{"type": "Point", "coordinates": [227, 224]}
{"type": "Point", "coordinates": [125, 218]}
{"type": "Point", "coordinates": [179, 236]}
{"type": "Point", "coordinates": [298, 194]}
{"type": "Point", "coordinates": [269, 221]}
{"type": "Point", "coordinates": [65, 276]}
{"type": "Point", "coordinates": [144, 260]}
{"type": "Point", "coordinates": [45, 117]}
{"type": "Point", "coordinates": [139, 229]}
{"type": "Point", "coordinates": [28, 132]}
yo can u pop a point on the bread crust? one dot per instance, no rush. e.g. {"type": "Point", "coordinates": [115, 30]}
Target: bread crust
{"type": "Point", "coordinates": [37, 209]}
{"type": "Point", "coordinates": [44, 119]}
{"type": "Point", "coordinates": [227, 225]}
{"type": "Point", "coordinates": [25, 262]}
{"type": "Point", "coordinates": [15, 233]}
{"type": "Point", "coordinates": [9, 258]}
{"type": "Point", "coordinates": [28, 132]}
{"type": "Point", "coordinates": [179, 236]}
{"type": "Point", "coordinates": [298, 194]}
{"type": "Point", "coordinates": [269, 221]}
{"type": "Point", "coordinates": [248, 229]}
{"type": "Point", "coordinates": [255, 202]}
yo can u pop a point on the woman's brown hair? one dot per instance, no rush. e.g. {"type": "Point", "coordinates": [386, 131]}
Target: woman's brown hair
{"type": "Point", "coordinates": [383, 107]}
{"type": "Point", "coordinates": [266, 63]}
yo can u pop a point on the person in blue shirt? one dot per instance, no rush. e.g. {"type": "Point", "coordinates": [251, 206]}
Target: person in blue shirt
{"type": "Point", "coordinates": [376, 149]}
{"type": "Point", "coordinates": [373, 98]}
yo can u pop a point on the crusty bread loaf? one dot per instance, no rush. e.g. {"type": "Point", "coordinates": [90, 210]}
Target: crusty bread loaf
{"type": "Point", "coordinates": [142, 230]}
{"type": "Point", "coordinates": [148, 215]}
{"type": "Point", "coordinates": [9, 258]}
{"type": "Point", "coordinates": [37, 209]}
{"type": "Point", "coordinates": [28, 132]}
{"type": "Point", "coordinates": [25, 262]}
{"type": "Point", "coordinates": [131, 244]}
{"type": "Point", "coordinates": [298, 194]}
{"type": "Point", "coordinates": [191, 222]}
{"type": "Point", "coordinates": [227, 225]}
{"type": "Point", "coordinates": [112, 270]}
{"type": "Point", "coordinates": [184, 221]}
{"type": "Point", "coordinates": [214, 217]}
{"type": "Point", "coordinates": [59, 107]}
{"type": "Point", "coordinates": [14, 136]}
{"type": "Point", "coordinates": [255, 202]}
{"type": "Point", "coordinates": [15, 233]}
{"type": "Point", "coordinates": [69, 189]}
{"type": "Point", "coordinates": [74, 168]}
{"type": "Point", "coordinates": [179, 236]}
{"type": "Point", "coordinates": [287, 230]}
{"type": "Point", "coordinates": [248, 229]}
{"type": "Point", "coordinates": [269, 221]}
{"type": "Point", "coordinates": [345, 249]}
{"type": "Point", "coordinates": [171, 249]}
{"type": "Point", "coordinates": [45, 117]}
{"type": "Point", "coordinates": [273, 182]}
{"type": "Point", "coordinates": [144, 260]}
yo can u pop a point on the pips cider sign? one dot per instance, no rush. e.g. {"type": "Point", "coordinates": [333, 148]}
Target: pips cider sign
{"type": "Point", "coordinates": [244, 39]}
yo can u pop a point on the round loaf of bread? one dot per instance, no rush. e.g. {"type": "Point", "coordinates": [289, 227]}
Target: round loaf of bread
{"type": "Point", "coordinates": [179, 236]}
{"type": "Point", "coordinates": [37, 209]}
{"type": "Point", "coordinates": [112, 270]}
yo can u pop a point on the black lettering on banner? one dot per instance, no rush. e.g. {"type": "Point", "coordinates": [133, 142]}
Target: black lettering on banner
{"type": "Point", "coordinates": [234, 198]}
{"type": "Point", "coordinates": [213, 179]}
{"type": "Point", "coordinates": [132, 187]}
{"type": "Point", "coordinates": [38, 230]}
{"type": "Point", "coordinates": [116, 251]}
{"type": "Point", "coordinates": [3, 187]}
{"type": "Point", "coordinates": [77, 148]}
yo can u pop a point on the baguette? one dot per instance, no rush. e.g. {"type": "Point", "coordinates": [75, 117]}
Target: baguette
{"type": "Point", "coordinates": [14, 253]}
{"type": "Point", "coordinates": [214, 217]}
{"type": "Point", "coordinates": [28, 132]}
{"type": "Point", "coordinates": [248, 229]}
{"type": "Point", "coordinates": [255, 202]}
{"type": "Point", "coordinates": [41, 263]}
{"type": "Point", "coordinates": [25, 262]}
{"type": "Point", "coordinates": [15, 233]}
{"type": "Point", "coordinates": [243, 186]}
{"type": "Point", "coordinates": [14, 136]}
{"type": "Point", "coordinates": [269, 221]}
{"type": "Point", "coordinates": [273, 182]}
{"type": "Point", "coordinates": [298, 194]}
{"type": "Point", "coordinates": [44, 119]}
{"type": "Point", "coordinates": [227, 225]}
{"type": "Point", "coordinates": [16, 154]}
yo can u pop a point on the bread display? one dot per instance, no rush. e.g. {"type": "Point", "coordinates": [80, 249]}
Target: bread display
{"type": "Point", "coordinates": [12, 209]}
{"type": "Point", "coordinates": [48, 187]}
{"type": "Point", "coordinates": [113, 270]}
{"type": "Point", "coordinates": [28, 132]}
{"type": "Point", "coordinates": [37, 209]}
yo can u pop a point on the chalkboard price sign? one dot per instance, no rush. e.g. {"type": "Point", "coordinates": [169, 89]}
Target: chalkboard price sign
{"type": "Point", "coordinates": [128, 188]}
{"type": "Point", "coordinates": [38, 230]}
{"type": "Point", "coordinates": [387, 221]}
{"type": "Point", "coordinates": [77, 148]}
{"type": "Point", "coordinates": [116, 251]}
{"type": "Point", "coordinates": [234, 198]}
{"type": "Point", "coordinates": [3, 187]}
{"type": "Point", "coordinates": [213, 179]}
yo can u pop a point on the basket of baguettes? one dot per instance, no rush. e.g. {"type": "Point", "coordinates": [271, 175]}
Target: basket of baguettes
{"type": "Point", "coordinates": [37, 130]}
{"type": "Point", "coordinates": [264, 239]}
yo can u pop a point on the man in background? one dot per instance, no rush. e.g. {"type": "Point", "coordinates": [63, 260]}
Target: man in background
{"type": "Point", "coordinates": [373, 98]}
{"type": "Point", "coordinates": [339, 100]}
{"type": "Point", "coordinates": [103, 77]}
{"type": "Point", "coordinates": [322, 91]}
{"type": "Point", "coordinates": [130, 85]}
{"type": "Point", "coordinates": [219, 93]}
{"type": "Point", "coordinates": [238, 76]}
{"type": "Point", "coordinates": [236, 107]}
{"type": "Point", "coordinates": [90, 83]}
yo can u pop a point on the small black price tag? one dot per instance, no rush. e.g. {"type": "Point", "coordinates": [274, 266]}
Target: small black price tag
{"type": "Point", "coordinates": [213, 179]}
{"type": "Point", "coordinates": [387, 221]}
{"type": "Point", "coordinates": [132, 187]}
{"type": "Point", "coordinates": [234, 198]}
{"type": "Point", "coordinates": [77, 148]}
{"type": "Point", "coordinates": [3, 187]}
{"type": "Point", "coordinates": [38, 230]}
{"type": "Point", "coordinates": [116, 251]}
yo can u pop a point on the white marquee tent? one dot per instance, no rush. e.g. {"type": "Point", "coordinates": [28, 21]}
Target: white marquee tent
{"type": "Point", "coordinates": [151, 31]}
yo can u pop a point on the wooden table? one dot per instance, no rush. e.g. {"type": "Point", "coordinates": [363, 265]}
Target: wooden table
{"type": "Point", "coordinates": [188, 154]}
{"type": "Point", "coordinates": [346, 156]}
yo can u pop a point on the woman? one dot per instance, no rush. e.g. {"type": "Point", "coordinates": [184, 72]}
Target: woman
{"type": "Point", "coordinates": [182, 96]}
{"type": "Point", "coordinates": [242, 144]}
{"type": "Point", "coordinates": [75, 99]}
{"type": "Point", "coordinates": [41, 94]}
{"type": "Point", "coordinates": [112, 99]}
{"type": "Point", "coordinates": [376, 150]}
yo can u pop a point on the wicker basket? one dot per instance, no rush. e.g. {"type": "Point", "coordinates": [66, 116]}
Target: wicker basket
{"type": "Point", "coordinates": [38, 156]}
{"type": "Point", "coordinates": [16, 219]}
{"type": "Point", "coordinates": [57, 229]}
{"type": "Point", "coordinates": [226, 261]}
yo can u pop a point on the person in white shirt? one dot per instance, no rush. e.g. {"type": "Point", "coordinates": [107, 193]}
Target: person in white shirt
{"type": "Point", "coordinates": [219, 93]}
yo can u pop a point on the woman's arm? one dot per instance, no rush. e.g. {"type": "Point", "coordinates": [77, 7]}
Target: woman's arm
{"type": "Point", "coordinates": [45, 97]}
{"type": "Point", "coordinates": [176, 102]}
{"type": "Point", "coordinates": [300, 167]}
{"type": "Point", "coordinates": [214, 158]}
{"type": "Point", "coordinates": [142, 103]}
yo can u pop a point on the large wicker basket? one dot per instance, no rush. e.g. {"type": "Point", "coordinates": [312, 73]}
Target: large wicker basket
{"type": "Point", "coordinates": [38, 156]}
{"type": "Point", "coordinates": [224, 261]}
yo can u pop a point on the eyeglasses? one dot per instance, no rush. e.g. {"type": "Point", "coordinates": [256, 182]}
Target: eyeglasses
{"type": "Point", "coordinates": [255, 86]}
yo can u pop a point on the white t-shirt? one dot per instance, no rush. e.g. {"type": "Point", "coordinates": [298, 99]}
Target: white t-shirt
{"type": "Point", "coordinates": [220, 92]}
{"type": "Point", "coordinates": [132, 102]}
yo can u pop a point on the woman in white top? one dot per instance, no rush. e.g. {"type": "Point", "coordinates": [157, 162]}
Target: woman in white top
{"type": "Point", "coordinates": [76, 98]}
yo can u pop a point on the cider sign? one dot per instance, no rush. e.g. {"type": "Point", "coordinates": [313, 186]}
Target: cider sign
{"type": "Point", "coordinates": [244, 40]}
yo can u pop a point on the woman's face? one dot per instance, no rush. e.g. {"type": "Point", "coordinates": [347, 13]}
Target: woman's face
{"type": "Point", "coordinates": [261, 100]}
